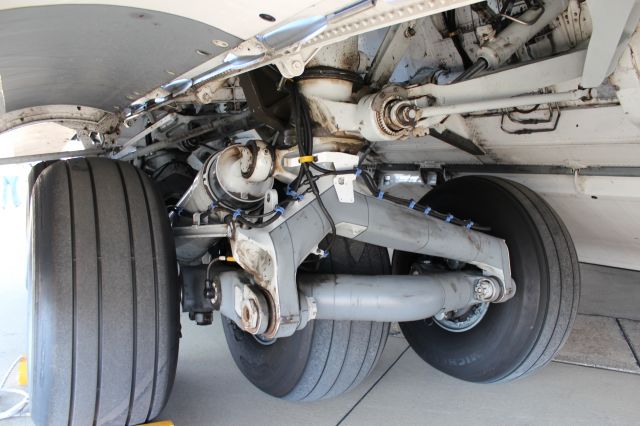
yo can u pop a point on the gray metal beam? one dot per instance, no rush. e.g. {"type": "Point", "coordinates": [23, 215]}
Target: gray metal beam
{"type": "Point", "coordinates": [393, 47]}
{"type": "Point", "coordinates": [387, 297]}
{"type": "Point", "coordinates": [613, 24]}
{"type": "Point", "coordinates": [36, 158]}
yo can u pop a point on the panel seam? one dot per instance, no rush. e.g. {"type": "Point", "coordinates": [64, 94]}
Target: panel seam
{"type": "Point", "coordinates": [628, 340]}
{"type": "Point", "coordinates": [348, 413]}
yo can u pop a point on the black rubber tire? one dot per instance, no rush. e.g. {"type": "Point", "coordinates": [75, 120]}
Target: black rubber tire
{"type": "Point", "coordinates": [326, 358]}
{"type": "Point", "coordinates": [35, 171]}
{"type": "Point", "coordinates": [523, 334]}
{"type": "Point", "coordinates": [104, 294]}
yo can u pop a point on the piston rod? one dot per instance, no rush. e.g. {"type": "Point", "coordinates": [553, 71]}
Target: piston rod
{"type": "Point", "coordinates": [516, 101]}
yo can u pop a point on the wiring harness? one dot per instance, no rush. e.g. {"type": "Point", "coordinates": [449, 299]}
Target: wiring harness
{"type": "Point", "coordinates": [308, 174]}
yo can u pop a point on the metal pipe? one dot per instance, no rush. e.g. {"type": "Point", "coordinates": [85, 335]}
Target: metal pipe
{"type": "Point", "coordinates": [225, 126]}
{"type": "Point", "coordinates": [158, 146]}
{"type": "Point", "coordinates": [387, 297]}
{"type": "Point", "coordinates": [475, 69]}
{"type": "Point", "coordinates": [147, 131]}
{"type": "Point", "coordinates": [36, 158]}
{"type": "Point", "coordinates": [504, 45]}
{"type": "Point", "coordinates": [517, 101]}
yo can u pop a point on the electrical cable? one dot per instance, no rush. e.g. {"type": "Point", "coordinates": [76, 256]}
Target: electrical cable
{"type": "Point", "coordinates": [304, 139]}
{"type": "Point", "coordinates": [8, 373]}
{"type": "Point", "coordinates": [15, 410]}
{"type": "Point", "coordinates": [368, 180]}
{"type": "Point", "coordinates": [304, 136]}
{"type": "Point", "coordinates": [454, 34]}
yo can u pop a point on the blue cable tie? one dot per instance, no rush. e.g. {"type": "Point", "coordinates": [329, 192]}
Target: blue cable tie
{"type": "Point", "coordinates": [325, 253]}
{"type": "Point", "coordinates": [279, 209]}
{"type": "Point", "coordinates": [358, 171]}
{"type": "Point", "coordinates": [237, 213]}
{"type": "Point", "coordinates": [213, 205]}
{"type": "Point", "coordinates": [412, 203]}
{"type": "Point", "coordinates": [469, 225]}
{"type": "Point", "coordinates": [380, 195]}
{"type": "Point", "coordinates": [449, 218]}
{"type": "Point", "coordinates": [293, 194]}
{"type": "Point", "coordinates": [427, 210]}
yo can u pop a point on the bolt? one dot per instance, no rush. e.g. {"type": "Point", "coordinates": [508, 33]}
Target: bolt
{"type": "Point", "coordinates": [250, 315]}
{"type": "Point", "coordinates": [410, 32]}
{"type": "Point", "coordinates": [296, 65]}
{"type": "Point", "coordinates": [484, 290]}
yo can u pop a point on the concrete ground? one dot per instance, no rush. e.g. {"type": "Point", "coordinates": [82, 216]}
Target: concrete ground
{"type": "Point", "coordinates": [595, 380]}
{"type": "Point", "coordinates": [404, 390]}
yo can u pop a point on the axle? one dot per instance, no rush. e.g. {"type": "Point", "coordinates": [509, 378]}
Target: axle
{"type": "Point", "coordinates": [395, 297]}
{"type": "Point", "coordinates": [359, 297]}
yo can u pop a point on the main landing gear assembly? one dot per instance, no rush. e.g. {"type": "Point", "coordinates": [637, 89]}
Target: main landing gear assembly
{"type": "Point", "coordinates": [307, 300]}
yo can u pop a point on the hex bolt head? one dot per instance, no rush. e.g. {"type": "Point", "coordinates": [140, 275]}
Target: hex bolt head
{"type": "Point", "coordinates": [485, 290]}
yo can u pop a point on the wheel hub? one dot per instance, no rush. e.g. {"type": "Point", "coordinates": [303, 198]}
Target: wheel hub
{"type": "Point", "coordinates": [459, 322]}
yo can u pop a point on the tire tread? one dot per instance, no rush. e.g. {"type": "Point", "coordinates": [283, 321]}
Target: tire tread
{"type": "Point", "coordinates": [107, 254]}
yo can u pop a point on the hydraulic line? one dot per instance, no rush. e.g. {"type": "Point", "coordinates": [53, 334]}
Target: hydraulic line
{"type": "Point", "coordinates": [452, 26]}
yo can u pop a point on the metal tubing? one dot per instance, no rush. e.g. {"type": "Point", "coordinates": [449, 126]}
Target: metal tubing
{"type": "Point", "coordinates": [222, 127]}
{"type": "Point", "coordinates": [387, 297]}
{"type": "Point", "coordinates": [517, 101]}
{"type": "Point", "coordinates": [506, 83]}
{"type": "Point", "coordinates": [36, 158]}
{"type": "Point", "coordinates": [475, 69]}
{"type": "Point", "coordinates": [147, 131]}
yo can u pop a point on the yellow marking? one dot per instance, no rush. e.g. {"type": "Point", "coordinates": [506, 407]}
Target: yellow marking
{"type": "Point", "coordinates": [23, 377]}
{"type": "Point", "coordinates": [306, 159]}
{"type": "Point", "coordinates": [230, 259]}
{"type": "Point", "coordinates": [160, 423]}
